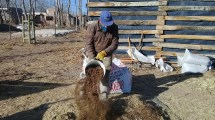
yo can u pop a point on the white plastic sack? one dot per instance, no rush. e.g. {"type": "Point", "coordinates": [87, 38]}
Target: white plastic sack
{"type": "Point", "coordinates": [193, 68]}
{"type": "Point", "coordinates": [179, 60]}
{"type": "Point", "coordinates": [120, 79]}
{"type": "Point", "coordinates": [85, 61]}
{"type": "Point", "coordinates": [164, 67]}
{"type": "Point", "coordinates": [136, 55]}
{"type": "Point", "coordinates": [195, 59]}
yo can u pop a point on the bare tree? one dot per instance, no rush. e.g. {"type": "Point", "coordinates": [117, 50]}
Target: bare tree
{"type": "Point", "coordinates": [24, 8]}
{"type": "Point", "coordinates": [31, 3]}
{"type": "Point", "coordinates": [80, 13]}
{"type": "Point", "coordinates": [2, 11]}
{"type": "Point", "coordinates": [76, 14]}
{"type": "Point", "coordinates": [8, 3]}
{"type": "Point", "coordinates": [68, 13]}
{"type": "Point", "coordinates": [35, 4]}
{"type": "Point", "coordinates": [1, 19]}
{"type": "Point", "coordinates": [59, 12]}
{"type": "Point", "coordinates": [9, 12]}
{"type": "Point", "coordinates": [17, 11]}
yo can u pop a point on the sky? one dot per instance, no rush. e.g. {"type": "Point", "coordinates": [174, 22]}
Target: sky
{"type": "Point", "coordinates": [73, 9]}
{"type": "Point", "coordinates": [51, 3]}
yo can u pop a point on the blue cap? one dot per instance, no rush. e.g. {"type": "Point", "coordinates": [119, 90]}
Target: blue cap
{"type": "Point", "coordinates": [106, 18]}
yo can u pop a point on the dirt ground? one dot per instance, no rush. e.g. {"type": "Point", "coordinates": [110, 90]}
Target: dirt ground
{"type": "Point", "coordinates": [37, 82]}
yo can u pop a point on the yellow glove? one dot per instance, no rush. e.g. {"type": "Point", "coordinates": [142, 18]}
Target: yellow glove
{"type": "Point", "coordinates": [101, 55]}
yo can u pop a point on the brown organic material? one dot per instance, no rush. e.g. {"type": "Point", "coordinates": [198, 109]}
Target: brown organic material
{"type": "Point", "coordinates": [87, 96]}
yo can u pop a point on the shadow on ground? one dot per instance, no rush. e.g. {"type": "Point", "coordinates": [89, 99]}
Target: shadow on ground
{"type": "Point", "coordinates": [7, 28]}
{"type": "Point", "coordinates": [12, 89]}
{"type": "Point", "coordinates": [146, 87]}
{"type": "Point", "coordinates": [150, 87]}
{"type": "Point", "coordinates": [30, 54]}
{"type": "Point", "coordinates": [36, 113]}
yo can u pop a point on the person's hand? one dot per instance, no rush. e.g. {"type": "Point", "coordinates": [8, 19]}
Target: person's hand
{"type": "Point", "coordinates": [101, 55]}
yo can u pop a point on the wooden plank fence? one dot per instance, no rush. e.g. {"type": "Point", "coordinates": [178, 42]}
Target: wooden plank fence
{"type": "Point", "coordinates": [159, 41]}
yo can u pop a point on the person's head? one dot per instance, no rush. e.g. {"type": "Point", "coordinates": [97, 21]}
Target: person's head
{"type": "Point", "coordinates": [105, 20]}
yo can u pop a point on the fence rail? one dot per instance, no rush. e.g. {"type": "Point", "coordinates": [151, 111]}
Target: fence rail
{"type": "Point", "coordinates": [167, 29]}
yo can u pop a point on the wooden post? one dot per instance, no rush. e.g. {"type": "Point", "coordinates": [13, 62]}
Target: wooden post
{"type": "Point", "coordinates": [55, 23]}
{"type": "Point", "coordinates": [10, 23]}
{"type": "Point", "coordinates": [76, 19]}
{"type": "Point", "coordinates": [161, 19]}
{"type": "Point", "coordinates": [23, 30]}
{"type": "Point", "coordinates": [33, 27]}
{"type": "Point", "coordinates": [80, 13]}
{"type": "Point", "coordinates": [140, 43]}
{"type": "Point", "coordinates": [29, 30]}
{"type": "Point", "coordinates": [129, 46]}
{"type": "Point", "coordinates": [130, 50]}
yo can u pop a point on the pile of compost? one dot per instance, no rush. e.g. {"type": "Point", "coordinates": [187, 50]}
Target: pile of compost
{"type": "Point", "coordinates": [87, 96]}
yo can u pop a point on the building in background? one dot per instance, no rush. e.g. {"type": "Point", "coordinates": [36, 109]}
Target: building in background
{"type": "Point", "coordinates": [11, 14]}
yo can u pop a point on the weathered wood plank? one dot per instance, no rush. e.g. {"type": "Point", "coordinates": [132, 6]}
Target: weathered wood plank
{"type": "Point", "coordinates": [144, 40]}
{"type": "Point", "coordinates": [197, 28]}
{"type": "Point", "coordinates": [161, 20]}
{"type": "Point", "coordinates": [160, 53]}
{"type": "Point", "coordinates": [133, 22]}
{"type": "Point", "coordinates": [125, 4]}
{"type": "Point", "coordinates": [136, 22]}
{"type": "Point", "coordinates": [185, 46]}
{"type": "Point", "coordinates": [191, 18]}
{"type": "Point", "coordinates": [128, 13]}
{"type": "Point", "coordinates": [167, 53]}
{"type": "Point", "coordinates": [147, 48]}
{"type": "Point", "coordinates": [139, 31]}
{"type": "Point", "coordinates": [197, 37]}
{"type": "Point", "coordinates": [174, 8]}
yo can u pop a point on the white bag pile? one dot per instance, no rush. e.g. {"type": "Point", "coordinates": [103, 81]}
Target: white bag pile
{"type": "Point", "coordinates": [164, 67]}
{"type": "Point", "coordinates": [192, 63]}
{"type": "Point", "coordinates": [136, 55]}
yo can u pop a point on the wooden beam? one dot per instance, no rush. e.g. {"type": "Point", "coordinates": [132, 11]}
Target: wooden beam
{"type": "Point", "coordinates": [197, 37]}
{"type": "Point", "coordinates": [139, 31]}
{"type": "Point", "coordinates": [185, 46]}
{"type": "Point", "coordinates": [144, 40]}
{"type": "Point", "coordinates": [167, 53]}
{"type": "Point", "coordinates": [197, 28]}
{"type": "Point", "coordinates": [146, 48]}
{"type": "Point", "coordinates": [191, 18]}
{"type": "Point", "coordinates": [134, 22]}
{"type": "Point", "coordinates": [129, 13]}
{"type": "Point", "coordinates": [160, 53]}
{"type": "Point", "coordinates": [125, 4]}
{"type": "Point", "coordinates": [174, 8]}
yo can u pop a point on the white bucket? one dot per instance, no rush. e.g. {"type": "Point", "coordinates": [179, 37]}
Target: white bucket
{"type": "Point", "coordinates": [95, 62]}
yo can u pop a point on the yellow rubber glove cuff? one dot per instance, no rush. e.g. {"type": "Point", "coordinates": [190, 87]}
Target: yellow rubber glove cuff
{"type": "Point", "coordinates": [101, 55]}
